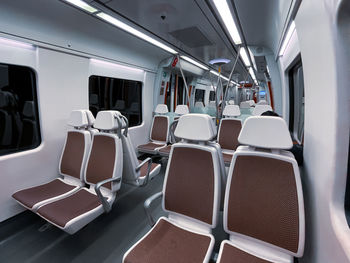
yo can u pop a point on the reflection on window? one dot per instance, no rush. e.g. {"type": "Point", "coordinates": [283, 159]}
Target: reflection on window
{"type": "Point", "coordinates": [212, 95]}
{"type": "Point", "coordinates": [19, 121]}
{"type": "Point", "coordinates": [199, 97]}
{"type": "Point", "coordinates": [116, 94]}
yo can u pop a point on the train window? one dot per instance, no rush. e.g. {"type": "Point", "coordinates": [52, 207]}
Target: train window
{"type": "Point", "coordinates": [116, 94]}
{"type": "Point", "coordinates": [199, 95]}
{"type": "Point", "coordinates": [19, 118]}
{"type": "Point", "coordinates": [296, 95]}
{"type": "Point", "coordinates": [212, 95]}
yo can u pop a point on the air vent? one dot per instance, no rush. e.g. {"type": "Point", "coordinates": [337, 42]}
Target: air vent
{"type": "Point", "coordinates": [191, 37]}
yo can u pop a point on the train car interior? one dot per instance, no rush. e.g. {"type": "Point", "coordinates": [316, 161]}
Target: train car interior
{"type": "Point", "coordinates": [175, 131]}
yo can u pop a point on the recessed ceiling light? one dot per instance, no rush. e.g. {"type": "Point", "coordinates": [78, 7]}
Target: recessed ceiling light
{"type": "Point", "coordinates": [244, 55]}
{"type": "Point", "coordinates": [226, 16]}
{"type": "Point", "coordinates": [195, 62]}
{"type": "Point", "coordinates": [134, 32]}
{"type": "Point", "coordinates": [287, 38]}
{"type": "Point", "coordinates": [81, 4]}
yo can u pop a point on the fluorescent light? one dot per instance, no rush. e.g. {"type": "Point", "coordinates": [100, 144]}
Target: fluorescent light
{"type": "Point", "coordinates": [244, 55]}
{"type": "Point", "coordinates": [252, 74]}
{"type": "Point", "coordinates": [252, 58]}
{"type": "Point", "coordinates": [110, 64]}
{"type": "Point", "coordinates": [217, 74]}
{"type": "Point", "coordinates": [226, 16]}
{"type": "Point", "coordinates": [194, 62]}
{"type": "Point", "coordinates": [82, 5]}
{"type": "Point", "coordinates": [287, 38]}
{"type": "Point", "coordinates": [134, 32]}
{"type": "Point", "coordinates": [14, 43]}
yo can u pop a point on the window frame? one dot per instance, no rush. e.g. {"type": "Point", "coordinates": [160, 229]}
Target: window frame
{"type": "Point", "coordinates": [34, 86]}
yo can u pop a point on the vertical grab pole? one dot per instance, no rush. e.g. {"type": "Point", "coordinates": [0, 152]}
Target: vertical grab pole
{"type": "Point", "coordinates": [183, 76]}
{"type": "Point", "coordinates": [231, 73]}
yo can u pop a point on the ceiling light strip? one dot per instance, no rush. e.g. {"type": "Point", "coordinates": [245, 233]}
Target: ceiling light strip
{"type": "Point", "coordinates": [192, 61]}
{"type": "Point", "coordinates": [81, 4]}
{"type": "Point", "coordinates": [287, 38]}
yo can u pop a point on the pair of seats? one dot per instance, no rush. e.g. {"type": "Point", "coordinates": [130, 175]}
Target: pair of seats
{"type": "Point", "coordinates": [229, 129]}
{"type": "Point", "coordinates": [89, 158]}
{"type": "Point", "coordinates": [263, 207]}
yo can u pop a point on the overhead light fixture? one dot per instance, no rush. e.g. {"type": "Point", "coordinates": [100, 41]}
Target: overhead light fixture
{"type": "Point", "coordinates": [194, 62]}
{"type": "Point", "coordinates": [226, 16]}
{"type": "Point", "coordinates": [110, 64]}
{"type": "Point", "coordinates": [287, 38]}
{"type": "Point", "coordinates": [217, 74]}
{"type": "Point", "coordinates": [14, 43]}
{"type": "Point", "coordinates": [134, 32]}
{"type": "Point", "coordinates": [252, 74]}
{"type": "Point", "coordinates": [244, 55]}
{"type": "Point", "coordinates": [81, 4]}
{"type": "Point", "coordinates": [252, 58]}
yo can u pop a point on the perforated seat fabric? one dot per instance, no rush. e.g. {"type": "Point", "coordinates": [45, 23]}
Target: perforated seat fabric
{"type": "Point", "coordinates": [231, 254]}
{"type": "Point", "coordinates": [144, 168]}
{"type": "Point", "coordinates": [228, 133]}
{"type": "Point", "coordinates": [62, 211]}
{"type": "Point", "coordinates": [31, 196]}
{"type": "Point", "coordinates": [171, 244]}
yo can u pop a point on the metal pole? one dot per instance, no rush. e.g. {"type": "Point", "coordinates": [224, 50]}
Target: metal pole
{"type": "Point", "coordinates": [231, 73]}
{"type": "Point", "coordinates": [183, 76]}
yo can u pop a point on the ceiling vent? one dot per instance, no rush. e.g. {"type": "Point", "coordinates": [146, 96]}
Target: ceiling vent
{"type": "Point", "coordinates": [191, 37]}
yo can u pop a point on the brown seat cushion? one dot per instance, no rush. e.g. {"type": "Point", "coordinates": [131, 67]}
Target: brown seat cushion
{"type": "Point", "coordinates": [64, 210]}
{"type": "Point", "coordinates": [31, 196]}
{"type": "Point", "coordinates": [229, 131]}
{"type": "Point", "coordinates": [144, 168]}
{"type": "Point", "coordinates": [160, 128]}
{"type": "Point", "coordinates": [149, 146]}
{"type": "Point", "coordinates": [169, 243]}
{"type": "Point", "coordinates": [231, 254]}
{"type": "Point", "coordinates": [227, 157]}
{"type": "Point", "coordinates": [165, 150]}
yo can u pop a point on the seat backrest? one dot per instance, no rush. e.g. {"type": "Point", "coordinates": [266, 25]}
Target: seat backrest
{"type": "Point", "coordinates": [262, 102]}
{"type": "Point", "coordinates": [29, 129]}
{"type": "Point", "coordinates": [251, 103]}
{"type": "Point", "coordinates": [192, 180]}
{"type": "Point", "coordinates": [244, 105]}
{"type": "Point", "coordinates": [91, 121]}
{"type": "Point", "coordinates": [76, 147]}
{"type": "Point", "coordinates": [259, 109]}
{"type": "Point", "coordinates": [229, 128]}
{"type": "Point", "coordinates": [264, 207]}
{"type": "Point", "coordinates": [199, 104]}
{"type": "Point", "coordinates": [231, 102]}
{"type": "Point", "coordinates": [105, 159]}
{"type": "Point", "coordinates": [160, 125]}
{"type": "Point", "coordinates": [182, 110]}
{"type": "Point", "coordinates": [119, 105]}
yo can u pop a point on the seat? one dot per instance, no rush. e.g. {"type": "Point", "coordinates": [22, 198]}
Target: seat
{"type": "Point", "coordinates": [91, 121]}
{"type": "Point", "coordinates": [262, 102]}
{"type": "Point", "coordinates": [159, 136]}
{"type": "Point", "coordinates": [199, 104]}
{"type": "Point", "coordinates": [191, 195]}
{"type": "Point", "coordinates": [179, 111]}
{"type": "Point", "coordinates": [251, 103]}
{"type": "Point", "coordinates": [231, 102]}
{"type": "Point", "coordinates": [102, 175]}
{"type": "Point", "coordinates": [135, 172]}
{"type": "Point", "coordinates": [260, 109]}
{"type": "Point", "coordinates": [244, 105]}
{"type": "Point", "coordinates": [229, 130]}
{"type": "Point", "coordinates": [71, 167]}
{"type": "Point", "coordinates": [29, 133]}
{"type": "Point", "coordinates": [264, 207]}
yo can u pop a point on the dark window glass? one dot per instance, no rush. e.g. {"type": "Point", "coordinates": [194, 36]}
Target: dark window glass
{"type": "Point", "coordinates": [19, 118]}
{"type": "Point", "coordinates": [199, 95]}
{"type": "Point", "coordinates": [116, 94]}
{"type": "Point", "coordinates": [212, 96]}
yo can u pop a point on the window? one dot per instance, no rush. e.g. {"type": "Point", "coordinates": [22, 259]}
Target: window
{"type": "Point", "coordinates": [296, 97]}
{"type": "Point", "coordinates": [116, 94]}
{"type": "Point", "coordinates": [199, 95]}
{"type": "Point", "coordinates": [19, 118]}
{"type": "Point", "coordinates": [212, 95]}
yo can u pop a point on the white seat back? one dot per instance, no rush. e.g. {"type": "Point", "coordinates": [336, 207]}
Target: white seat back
{"type": "Point", "coordinates": [244, 105]}
{"type": "Point", "coordinates": [260, 109]}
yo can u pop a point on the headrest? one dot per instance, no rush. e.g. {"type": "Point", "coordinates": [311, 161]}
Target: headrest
{"type": "Point", "coordinates": [231, 111]}
{"type": "Point", "coordinates": [231, 102]}
{"type": "Point", "coordinates": [259, 109]}
{"type": "Point", "coordinates": [251, 102]}
{"type": "Point", "coordinates": [195, 127]}
{"type": "Point", "coordinates": [265, 132]}
{"type": "Point", "coordinates": [161, 109]}
{"type": "Point", "coordinates": [7, 99]}
{"type": "Point", "coordinates": [90, 118]}
{"type": "Point", "coordinates": [262, 102]}
{"type": "Point", "coordinates": [107, 120]}
{"type": "Point", "coordinates": [119, 105]}
{"type": "Point", "coordinates": [199, 104]}
{"type": "Point", "coordinates": [78, 119]}
{"type": "Point", "coordinates": [244, 105]}
{"type": "Point", "coordinates": [28, 109]}
{"type": "Point", "coordinates": [182, 109]}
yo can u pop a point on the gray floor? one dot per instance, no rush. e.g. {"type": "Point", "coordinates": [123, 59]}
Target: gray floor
{"type": "Point", "coordinates": [27, 237]}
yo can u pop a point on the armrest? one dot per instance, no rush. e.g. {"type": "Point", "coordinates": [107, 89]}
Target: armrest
{"type": "Point", "coordinates": [106, 206]}
{"type": "Point", "coordinates": [149, 161]}
{"type": "Point", "coordinates": [147, 205]}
